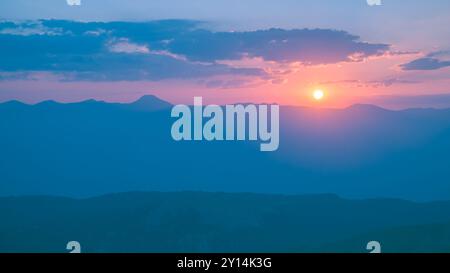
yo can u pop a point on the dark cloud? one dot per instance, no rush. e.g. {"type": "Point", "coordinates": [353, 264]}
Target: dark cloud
{"type": "Point", "coordinates": [89, 51]}
{"type": "Point", "coordinates": [432, 61]}
{"type": "Point", "coordinates": [128, 67]}
{"type": "Point", "coordinates": [309, 46]}
{"type": "Point", "coordinates": [226, 84]}
{"type": "Point", "coordinates": [164, 49]}
{"type": "Point", "coordinates": [425, 64]}
{"type": "Point", "coordinates": [134, 67]}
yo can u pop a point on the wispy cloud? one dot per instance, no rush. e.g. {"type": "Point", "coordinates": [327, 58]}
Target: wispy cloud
{"type": "Point", "coordinates": [372, 83]}
{"type": "Point", "coordinates": [125, 46]}
{"type": "Point", "coordinates": [28, 28]}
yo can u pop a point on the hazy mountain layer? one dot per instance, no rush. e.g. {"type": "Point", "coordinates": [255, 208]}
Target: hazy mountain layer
{"type": "Point", "coordinates": [92, 148]}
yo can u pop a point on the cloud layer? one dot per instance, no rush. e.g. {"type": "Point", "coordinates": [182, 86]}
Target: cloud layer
{"type": "Point", "coordinates": [169, 49]}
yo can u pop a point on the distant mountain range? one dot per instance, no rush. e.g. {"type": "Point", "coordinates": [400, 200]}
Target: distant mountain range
{"type": "Point", "coordinates": [219, 222]}
{"type": "Point", "coordinates": [92, 148]}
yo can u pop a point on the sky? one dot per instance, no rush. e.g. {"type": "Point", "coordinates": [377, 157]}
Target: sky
{"type": "Point", "coordinates": [395, 55]}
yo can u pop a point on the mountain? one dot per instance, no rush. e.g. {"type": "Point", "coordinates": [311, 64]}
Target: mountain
{"type": "Point", "coordinates": [220, 222]}
{"type": "Point", "coordinates": [147, 103]}
{"type": "Point", "coordinates": [92, 148]}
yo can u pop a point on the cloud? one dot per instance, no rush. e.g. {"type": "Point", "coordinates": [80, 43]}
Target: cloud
{"type": "Point", "coordinates": [229, 83]}
{"type": "Point", "coordinates": [432, 61]}
{"type": "Point", "coordinates": [28, 28]}
{"type": "Point", "coordinates": [389, 82]}
{"type": "Point", "coordinates": [374, 83]}
{"type": "Point", "coordinates": [425, 64]}
{"type": "Point", "coordinates": [125, 46]}
{"type": "Point", "coordinates": [308, 46]}
{"type": "Point", "coordinates": [133, 67]}
{"type": "Point", "coordinates": [92, 52]}
{"type": "Point", "coordinates": [169, 49]}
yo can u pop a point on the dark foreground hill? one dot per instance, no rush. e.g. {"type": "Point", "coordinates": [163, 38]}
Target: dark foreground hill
{"type": "Point", "coordinates": [219, 222]}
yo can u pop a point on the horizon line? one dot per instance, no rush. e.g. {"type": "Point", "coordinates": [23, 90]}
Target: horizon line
{"type": "Point", "coordinates": [88, 100]}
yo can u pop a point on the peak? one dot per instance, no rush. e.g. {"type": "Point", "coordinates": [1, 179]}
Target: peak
{"type": "Point", "coordinates": [149, 103]}
{"type": "Point", "coordinates": [91, 101]}
{"type": "Point", "coordinates": [13, 102]}
{"type": "Point", "coordinates": [46, 103]}
{"type": "Point", "coordinates": [366, 107]}
{"type": "Point", "coordinates": [147, 98]}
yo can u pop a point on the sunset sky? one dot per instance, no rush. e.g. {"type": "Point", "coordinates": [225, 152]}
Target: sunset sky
{"type": "Point", "coordinates": [396, 55]}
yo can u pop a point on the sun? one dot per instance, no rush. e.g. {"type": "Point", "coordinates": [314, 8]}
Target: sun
{"type": "Point", "coordinates": [318, 94]}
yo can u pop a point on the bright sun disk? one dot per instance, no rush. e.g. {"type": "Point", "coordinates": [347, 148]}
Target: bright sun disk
{"type": "Point", "coordinates": [318, 94]}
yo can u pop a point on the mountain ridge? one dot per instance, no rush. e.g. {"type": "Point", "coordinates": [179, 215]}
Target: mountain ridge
{"type": "Point", "coordinates": [155, 103]}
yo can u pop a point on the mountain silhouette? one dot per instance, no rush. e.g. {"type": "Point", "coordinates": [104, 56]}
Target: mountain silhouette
{"type": "Point", "coordinates": [147, 103]}
{"type": "Point", "coordinates": [92, 148]}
